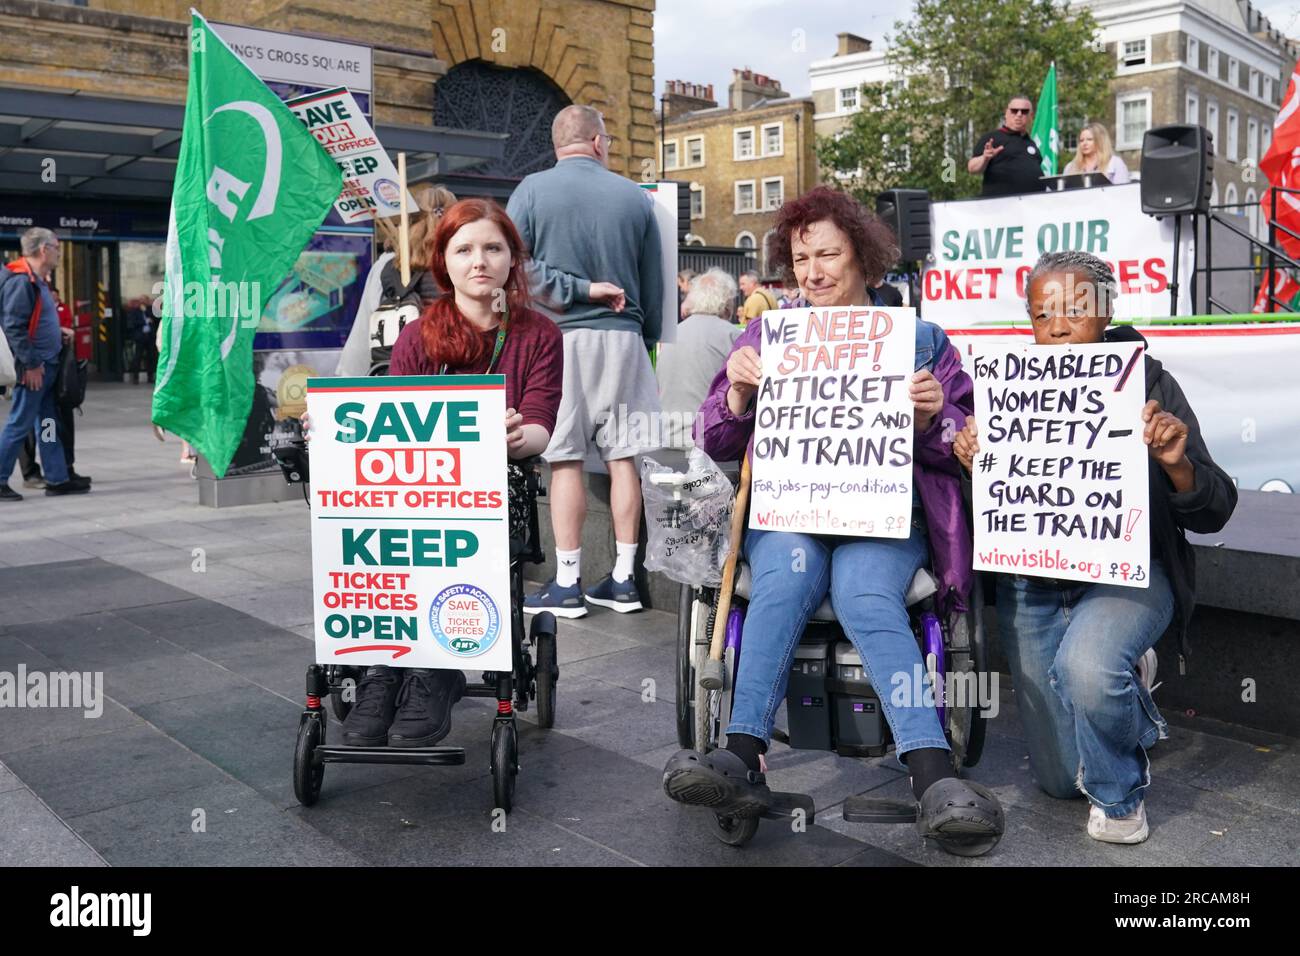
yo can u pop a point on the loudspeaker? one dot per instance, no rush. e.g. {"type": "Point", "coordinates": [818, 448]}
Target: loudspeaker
{"type": "Point", "coordinates": [907, 212]}
{"type": "Point", "coordinates": [1177, 170]}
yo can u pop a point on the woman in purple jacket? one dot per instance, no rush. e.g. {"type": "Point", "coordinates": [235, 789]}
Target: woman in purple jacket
{"type": "Point", "coordinates": [837, 251]}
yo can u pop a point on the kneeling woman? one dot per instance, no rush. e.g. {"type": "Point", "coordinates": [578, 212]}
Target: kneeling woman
{"type": "Point", "coordinates": [485, 326]}
{"type": "Point", "coordinates": [837, 250]}
{"type": "Point", "coordinates": [1081, 654]}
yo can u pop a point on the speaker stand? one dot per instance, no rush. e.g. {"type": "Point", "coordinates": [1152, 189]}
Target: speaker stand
{"type": "Point", "coordinates": [1173, 281]}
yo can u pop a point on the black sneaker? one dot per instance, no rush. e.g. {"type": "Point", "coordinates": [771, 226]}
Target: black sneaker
{"type": "Point", "coordinates": [424, 708]}
{"type": "Point", "coordinates": [69, 487]}
{"type": "Point", "coordinates": [7, 493]}
{"type": "Point", "coordinates": [73, 476]}
{"type": "Point", "coordinates": [367, 722]}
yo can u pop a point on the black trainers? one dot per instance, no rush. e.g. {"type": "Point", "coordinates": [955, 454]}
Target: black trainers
{"type": "Point", "coordinates": [7, 493]}
{"type": "Point", "coordinates": [73, 476]}
{"type": "Point", "coordinates": [69, 487]}
{"type": "Point", "coordinates": [424, 708]}
{"type": "Point", "coordinates": [367, 723]}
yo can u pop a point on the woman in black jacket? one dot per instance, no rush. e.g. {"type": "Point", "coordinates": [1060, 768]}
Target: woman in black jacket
{"type": "Point", "coordinates": [1082, 654]}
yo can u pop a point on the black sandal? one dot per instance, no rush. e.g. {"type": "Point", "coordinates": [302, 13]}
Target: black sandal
{"type": "Point", "coordinates": [719, 780]}
{"type": "Point", "coordinates": [964, 818]}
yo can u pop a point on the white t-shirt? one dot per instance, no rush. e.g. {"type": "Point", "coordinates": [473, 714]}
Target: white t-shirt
{"type": "Point", "coordinates": [1116, 171]}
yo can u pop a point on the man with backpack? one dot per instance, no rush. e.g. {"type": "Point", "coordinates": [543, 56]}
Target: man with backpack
{"type": "Point", "coordinates": [30, 320]}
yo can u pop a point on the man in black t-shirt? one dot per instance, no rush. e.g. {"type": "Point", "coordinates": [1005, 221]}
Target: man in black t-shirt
{"type": "Point", "coordinates": [1007, 157]}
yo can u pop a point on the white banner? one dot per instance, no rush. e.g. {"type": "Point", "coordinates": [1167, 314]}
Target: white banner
{"type": "Point", "coordinates": [1060, 478]}
{"type": "Point", "coordinates": [664, 196]}
{"type": "Point", "coordinates": [409, 518]}
{"type": "Point", "coordinates": [833, 428]}
{"type": "Point", "coordinates": [370, 186]}
{"type": "Point", "coordinates": [301, 60]}
{"type": "Point", "coordinates": [984, 248]}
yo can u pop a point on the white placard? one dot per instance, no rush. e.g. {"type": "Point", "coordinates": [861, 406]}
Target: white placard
{"type": "Point", "coordinates": [1060, 478]}
{"type": "Point", "coordinates": [833, 427]}
{"type": "Point", "coordinates": [664, 196]}
{"type": "Point", "coordinates": [370, 184]}
{"type": "Point", "coordinates": [410, 531]}
{"type": "Point", "coordinates": [301, 60]}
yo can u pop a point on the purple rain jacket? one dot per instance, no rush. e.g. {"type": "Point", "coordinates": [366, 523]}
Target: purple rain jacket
{"type": "Point", "coordinates": [724, 436]}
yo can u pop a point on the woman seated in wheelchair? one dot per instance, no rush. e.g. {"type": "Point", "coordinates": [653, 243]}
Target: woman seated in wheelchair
{"type": "Point", "coordinates": [1082, 655]}
{"type": "Point", "coordinates": [484, 326]}
{"type": "Point", "coordinates": [837, 251]}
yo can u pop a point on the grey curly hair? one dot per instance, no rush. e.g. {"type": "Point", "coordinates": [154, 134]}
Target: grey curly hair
{"type": "Point", "coordinates": [1101, 278]}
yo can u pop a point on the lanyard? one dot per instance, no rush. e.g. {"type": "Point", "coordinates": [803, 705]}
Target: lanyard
{"type": "Point", "coordinates": [497, 348]}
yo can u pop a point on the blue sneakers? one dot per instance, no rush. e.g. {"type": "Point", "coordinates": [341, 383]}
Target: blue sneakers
{"type": "Point", "coordinates": [562, 602]}
{"type": "Point", "coordinates": [620, 596]}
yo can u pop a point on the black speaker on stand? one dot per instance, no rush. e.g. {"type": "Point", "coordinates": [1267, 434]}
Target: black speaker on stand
{"type": "Point", "coordinates": [907, 212]}
{"type": "Point", "coordinates": [1177, 180]}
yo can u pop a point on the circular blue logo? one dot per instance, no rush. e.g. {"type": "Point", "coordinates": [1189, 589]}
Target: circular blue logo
{"type": "Point", "coordinates": [388, 193]}
{"type": "Point", "coordinates": [464, 620]}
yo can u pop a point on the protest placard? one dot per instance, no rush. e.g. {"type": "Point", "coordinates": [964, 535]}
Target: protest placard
{"type": "Point", "coordinates": [833, 427]}
{"type": "Point", "coordinates": [370, 185]}
{"type": "Point", "coordinates": [410, 540]}
{"type": "Point", "coordinates": [1060, 478]}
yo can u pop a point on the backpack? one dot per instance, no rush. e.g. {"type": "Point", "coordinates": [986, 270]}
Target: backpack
{"type": "Point", "coordinates": [70, 387]}
{"type": "Point", "coordinates": [400, 306]}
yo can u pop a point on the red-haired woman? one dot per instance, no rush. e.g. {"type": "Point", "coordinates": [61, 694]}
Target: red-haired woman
{"type": "Point", "coordinates": [484, 326]}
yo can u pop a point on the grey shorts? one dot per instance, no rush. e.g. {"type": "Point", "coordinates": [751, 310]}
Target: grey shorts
{"type": "Point", "coordinates": [610, 398]}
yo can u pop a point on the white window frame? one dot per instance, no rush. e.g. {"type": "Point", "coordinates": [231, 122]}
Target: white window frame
{"type": "Point", "coordinates": [677, 156]}
{"type": "Point", "coordinates": [686, 154]}
{"type": "Point", "coordinates": [839, 99]}
{"type": "Point", "coordinates": [752, 238]}
{"type": "Point", "coordinates": [1253, 213]}
{"type": "Point", "coordinates": [1234, 73]}
{"type": "Point", "coordinates": [1193, 52]}
{"type": "Point", "coordinates": [735, 143]}
{"type": "Point", "coordinates": [1230, 199]}
{"type": "Point", "coordinates": [1212, 61]}
{"type": "Point", "coordinates": [780, 129]}
{"type": "Point", "coordinates": [697, 192]}
{"type": "Point", "coordinates": [1122, 64]}
{"type": "Point", "coordinates": [1232, 135]}
{"type": "Point", "coordinates": [1120, 142]}
{"type": "Point", "coordinates": [1265, 136]}
{"type": "Point", "coordinates": [763, 193]}
{"type": "Point", "coordinates": [1256, 88]}
{"type": "Point", "coordinates": [1252, 141]}
{"type": "Point", "coordinates": [1192, 109]}
{"type": "Point", "coordinates": [736, 196]}
{"type": "Point", "coordinates": [1268, 90]}
{"type": "Point", "coordinates": [1212, 109]}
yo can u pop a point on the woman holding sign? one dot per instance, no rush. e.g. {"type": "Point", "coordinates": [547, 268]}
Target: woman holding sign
{"type": "Point", "coordinates": [837, 251]}
{"type": "Point", "coordinates": [484, 327]}
{"type": "Point", "coordinates": [1082, 654]}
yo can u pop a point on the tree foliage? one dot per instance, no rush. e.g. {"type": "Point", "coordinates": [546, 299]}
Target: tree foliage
{"type": "Point", "coordinates": [963, 60]}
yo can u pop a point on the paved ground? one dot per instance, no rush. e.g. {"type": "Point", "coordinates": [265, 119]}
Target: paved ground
{"type": "Point", "coordinates": [190, 761]}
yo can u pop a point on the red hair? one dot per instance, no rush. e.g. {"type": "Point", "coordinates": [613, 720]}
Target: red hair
{"type": "Point", "coordinates": [448, 337]}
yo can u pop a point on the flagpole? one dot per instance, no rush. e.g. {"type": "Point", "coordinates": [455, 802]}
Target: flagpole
{"type": "Point", "coordinates": [404, 229]}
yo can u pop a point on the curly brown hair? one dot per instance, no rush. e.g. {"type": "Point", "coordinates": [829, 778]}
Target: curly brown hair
{"type": "Point", "coordinates": [874, 244]}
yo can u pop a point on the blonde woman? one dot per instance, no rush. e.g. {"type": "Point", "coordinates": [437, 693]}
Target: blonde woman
{"type": "Point", "coordinates": [384, 279]}
{"type": "Point", "coordinates": [1095, 154]}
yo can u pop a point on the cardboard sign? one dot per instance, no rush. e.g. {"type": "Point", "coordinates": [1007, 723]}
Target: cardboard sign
{"type": "Point", "coordinates": [833, 427]}
{"type": "Point", "coordinates": [370, 186]}
{"type": "Point", "coordinates": [410, 531]}
{"type": "Point", "coordinates": [1060, 479]}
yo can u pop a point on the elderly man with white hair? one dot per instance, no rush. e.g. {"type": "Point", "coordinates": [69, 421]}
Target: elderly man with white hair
{"type": "Point", "coordinates": [686, 367]}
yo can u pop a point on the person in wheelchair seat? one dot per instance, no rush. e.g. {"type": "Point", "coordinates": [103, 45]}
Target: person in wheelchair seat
{"type": "Point", "coordinates": [1082, 655]}
{"type": "Point", "coordinates": [837, 251]}
{"type": "Point", "coordinates": [485, 326]}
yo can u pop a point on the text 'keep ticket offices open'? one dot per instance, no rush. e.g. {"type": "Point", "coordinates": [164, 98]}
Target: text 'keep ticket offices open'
{"type": "Point", "coordinates": [833, 426]}
{"type": "Point", "coordinates": [410, 537]}
{"type": "Point", "coordinates": [1060, 478]}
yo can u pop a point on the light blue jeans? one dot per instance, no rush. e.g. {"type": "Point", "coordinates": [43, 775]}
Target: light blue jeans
{"type": "Point", "coordinates": [35, 410]}
{"type": "Point", "coordinates": [1088, 721]}
{"type": "Point", "coordinates": [868, 580]}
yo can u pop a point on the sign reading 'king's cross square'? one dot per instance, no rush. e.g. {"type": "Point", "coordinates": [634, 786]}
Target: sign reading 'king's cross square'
{"type": "Point", "coordinates": [251, 187]}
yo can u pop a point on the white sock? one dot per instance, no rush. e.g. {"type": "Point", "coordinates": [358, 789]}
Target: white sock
{"type": "Point", "coordinates": [624, 562]}
{"type": "Point", "coordinates": [568, 567]}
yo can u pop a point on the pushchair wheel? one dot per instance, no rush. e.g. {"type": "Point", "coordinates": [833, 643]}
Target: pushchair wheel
{"type": "Point", "coordinates": [505, 763]}
{"type": "Point", "coordinates": [547, 670]}
{"type": "Point", "coordinates": [733, 830]}
{"type": "Point", "coordinates": [306, 777]}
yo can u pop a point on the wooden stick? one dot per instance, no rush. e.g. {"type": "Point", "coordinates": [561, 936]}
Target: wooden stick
{"type": "Point", "coordinates": [729, 568]}
{"type": "Point", "coordinates": [404, 230]}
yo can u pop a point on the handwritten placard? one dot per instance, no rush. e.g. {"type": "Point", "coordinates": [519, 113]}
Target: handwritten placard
{"type": "Point", "coordinates": [833, 432]}
{"type": "Point", "coordinates": [1060, 478]}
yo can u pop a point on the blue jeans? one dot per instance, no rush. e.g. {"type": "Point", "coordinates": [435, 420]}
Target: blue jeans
{"type": "Point", "coordinates": [35, 410]}
{"type": "Point", "coordinates": [868, 580]}
{"type": "Point", "coordinates": [1073, 650]}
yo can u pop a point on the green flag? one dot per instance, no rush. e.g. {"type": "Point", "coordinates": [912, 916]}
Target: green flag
{"type": "Point", "coordinates": [251, 187]}
{"type": "Point", "coordinates": [1044, 133]}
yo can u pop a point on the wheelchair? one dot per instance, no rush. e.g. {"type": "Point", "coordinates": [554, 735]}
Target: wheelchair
{"type": "Point", "coordinates": [830, 703]}
{"type": "Point", "coordinates": [533, 677]}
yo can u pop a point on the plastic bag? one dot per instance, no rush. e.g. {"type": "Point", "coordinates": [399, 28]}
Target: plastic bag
{"type": "Point", "coordinates": [688, 517]}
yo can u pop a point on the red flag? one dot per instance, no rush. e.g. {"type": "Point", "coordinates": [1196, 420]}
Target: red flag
{"type": "Point", "coordinates": [1285, 288]}
{"type": "Point", "coordinates": [1281, 167]}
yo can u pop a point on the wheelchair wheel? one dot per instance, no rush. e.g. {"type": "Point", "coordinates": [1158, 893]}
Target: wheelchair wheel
{"type": "Point", "coordinates": [547, 668]}
{"type": "Point", "coordinates": [980, 661]}
{"type": "Point", "coordinates": [713, 707]}
{"type": "Point", "coordinates": [306, 778]}
{"type": "Point", "coordinates": [733, 830]}
{"type": "Point", "coordinates": [505, 763]}
{"type": "Point", "coordinates": [686, 614]}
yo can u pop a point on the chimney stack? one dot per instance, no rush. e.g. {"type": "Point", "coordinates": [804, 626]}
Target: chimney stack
{"type": "Point", "coordinates": [682, 97]}
{"type": "Point", "coordinates": [847, 43]}
{"type": "Point", "coordinates": [748, 87]}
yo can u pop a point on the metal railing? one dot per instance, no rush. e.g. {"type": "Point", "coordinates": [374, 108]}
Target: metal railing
{"type": "Point", "coordinates": [1265, 255]}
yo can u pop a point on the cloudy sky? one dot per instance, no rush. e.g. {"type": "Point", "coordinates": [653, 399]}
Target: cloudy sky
{"type": "Point", "coordinates": [700, 41]}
